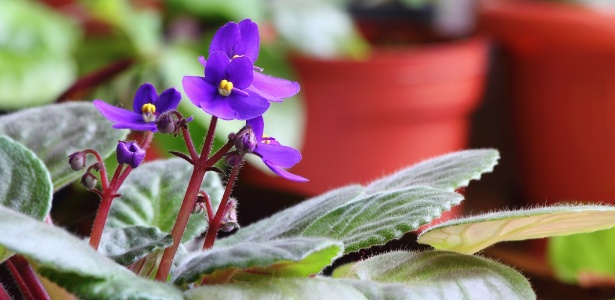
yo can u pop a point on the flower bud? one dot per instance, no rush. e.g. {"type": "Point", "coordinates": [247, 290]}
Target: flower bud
{"type": "Point", "coordinates": [77, 161]}
{"type": "Point", "coordinates": [229, 221]}
{"type": "Point", "coordinates": [166, 124]}
{"type": "Point", "coordinates": [245, 140]}
{"type": "Point", "coordinates": [89, 180]}
{"type": "Point", "coordinates": [129, 153]}
{"type": "Point", "coordinates": [198, 208]}
{"type": "Point", "coordinates": [233, 158]}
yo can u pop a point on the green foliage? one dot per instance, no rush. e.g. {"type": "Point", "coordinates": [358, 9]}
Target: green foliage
{"type": "Point", "coordinates": [580, 255]}
{"type": "Point", "coordinates": [35, 46]}
{"type": "Point", "coordinates": [153, 193]}
{"type": "Point", "coordinates": [296, 257]}
{"type": "Point", "coordinates": [127, 245]}
{"type": "Point", "coordinates": [55, 131]}
{"type": "Point", "coordinates": [472, 234]}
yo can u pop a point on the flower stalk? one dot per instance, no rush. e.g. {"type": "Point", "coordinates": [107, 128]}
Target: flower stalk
{"type": "Point", "coordinates": [26, 278]}
{"type": "Point", "coordinates": [214, 225]}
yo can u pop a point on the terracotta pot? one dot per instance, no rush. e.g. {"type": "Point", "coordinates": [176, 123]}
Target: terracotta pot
{"type": "Point", "coordinates": [366, 119]}
{"type": "Point", "coordinates": [562, 68]}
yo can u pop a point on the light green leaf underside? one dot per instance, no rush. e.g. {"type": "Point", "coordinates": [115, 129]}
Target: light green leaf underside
{"type": "Point", "coordinates": [381, 217]}
{"type": "Point", "coordinates": [438, 275]}
{"type": "Point", "coordinates": [127, 245]}
{"type": "Point", "coordinates": [298, 257]}
{"type": "Point", "coordinates": [472, 234]}
{"type": "Point", "coordinates": [55, 131]}
{"type": "Point", "coordinates": [153, 193]}
{"type": "Point", "coordinates": [447, 172]}
{"type": "Point", "coordinates": [25, 184]}
{"type": "Point", "coordinates": [73, 264]}
{"type": "Point", "coordinates": [583, 255]}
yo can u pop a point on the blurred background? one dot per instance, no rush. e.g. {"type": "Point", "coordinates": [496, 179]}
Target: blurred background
{"type": "Point", "coordinates": [385, 84]}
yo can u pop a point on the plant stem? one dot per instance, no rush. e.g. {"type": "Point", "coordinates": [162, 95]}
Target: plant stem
{"type": "Point", "coordinates": [214, 225]}
{"type": "Point", "coordinates": [194, 186]}
{"type": "Point", "coordinates": [103, 172]}
{"type": "Point", "coordinates": [189, 144]}
{"type": "Point", "coordinates": [25, 277]}
{"type": "Point", "coordinates": [3, 293]}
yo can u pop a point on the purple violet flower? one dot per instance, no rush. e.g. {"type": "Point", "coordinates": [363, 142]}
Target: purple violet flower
{"type": "Point", "coordinates": [147, 106]}
{"type": "Point", "coordinates": [243, 40]}
{"type": "Point", "coordinates": [274, 155]}
{"type": "Point", "coordinates": [129, 153]}
{"type": "Point", "coordinates": [223, 91]}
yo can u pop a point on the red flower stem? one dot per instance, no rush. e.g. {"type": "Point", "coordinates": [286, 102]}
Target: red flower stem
{"type": "Point", "coordinates": [219, 154]}
{"type": "Point", "coordinates": [103, 172]}
{"type": "Point", "coordinates": [210, 211]}
{"type": "Point", "coordinates": [189, 144]}
{"type": "Point", "coordinates": [214, 225]}
{"type": "Point", "coordinates": [25, 277]}
{"type": "Point", "coordinates": [116, 174]}
{"type": "Point", "coordinates": [3, 294]}
{"type": "Point", "coordinates": [147, 140]}
{"type": "Point", "coordinates": [194, 186]}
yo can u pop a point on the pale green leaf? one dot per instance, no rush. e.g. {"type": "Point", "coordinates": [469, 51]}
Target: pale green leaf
{"type": "Point", "coordinates": [298, 257]}
{"type": "Point", "coordinates": [25, 184]}
{"type": "Point", "coordinates": [588, 255]}
{"type": "Point", "coordinates": [127, 245]}
{"type": "Point", "coordinates": [472, 234]}
{"type": "Point", "coordinates": [438, 275]}
{"type": "Point", "coordinates": [285, 288]}
{"type": "Point", "coordinates": [448, 172]}
{"type": "Point", "coordinates": [73, 264]}
{"type": "Point", "coordinates": [55, 131]}
{"type": "Point", "coordinates": [153, 194]}
{"type": "Point", "coordinates": [381, 217]}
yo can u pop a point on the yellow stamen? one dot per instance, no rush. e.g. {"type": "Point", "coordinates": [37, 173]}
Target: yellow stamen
{"type": "Point", "coordinates": [148, 111]}
{"type": "Point", "coordinates": [225, 87]}
{"type": "Point", "coordinates": [235, 56]}
{"type": "Point", "coordinates": [266, 139]}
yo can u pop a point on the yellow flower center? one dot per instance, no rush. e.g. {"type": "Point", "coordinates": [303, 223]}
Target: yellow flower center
{"type": "Point", "coordinates": [266, 139]}
{"type": "Point", "coordinates": [235, 56]}
{"type": "Point", "coordinates": [225, 87]}
{"type": "Point", "coordinates": [148, 111]}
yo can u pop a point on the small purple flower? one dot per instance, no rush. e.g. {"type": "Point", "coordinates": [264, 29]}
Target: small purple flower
{"type": "Point", "coordinates": [129, 153]}
{"type": "Point", "coordinates": [147, 106]}
{"type": "Point", "coordinates": [275, 156]}
{"type": "Point", "coordinates": [223, 91]}
{"type": "Point", "coordinates": [242, 40]}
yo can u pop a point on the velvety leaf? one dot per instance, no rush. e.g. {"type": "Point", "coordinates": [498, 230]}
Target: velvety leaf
{"type": "Point", "coordinates": [579, 257]}
{"type": "Point", "coordinates": [73, 264]}
{"type": "Point", "coordinates": [153, 193]}
{"type": "Point", "coordinates": [448, 172]}
{"type": "Point", "coordinates": [55, 131]}
{"type": "Point", "coordinates": [127, 245]}
{"type": "Point", "coordinates": [472, 234]}
{"type": "Point", "coordinates": [298, 257]}
{"type": "Point", "coordinates": [25, 184]}
{"type": "Point", "coordinates": [284, 288]}
{"type": "Point", "coordinates": [438, 275]}
{"type": "Point", "coordinates": [381, 217]}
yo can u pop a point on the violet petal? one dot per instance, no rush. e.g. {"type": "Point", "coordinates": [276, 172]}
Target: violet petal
{"type": "Point", "coordinates": [198, 90]}
{"type": "Point", "coordinates": [285, 174]}
{"type": "Point", "coordinates": [225, 39]}
{"type": "Point", "coordinates": [250, 40]}
{"type": "Point", "coordinates": [145, 94]}
{"type": "Point", "coordinates": [240, 72]}
{"type": "Point", "coordinates": [116, 114]}
{"type": "Point", "coordinates": [219, 107]}
{"type": "Point", "coordinates": [277, 87]}
{"type": "Point", "coordinates": [248, 107]}
{"type": "Point", "coordinates": [279, 155]}
{"type": "Point", "coordinates": [258, 127]}
{"type": "Point", "coordinates": [216, 68]}
{"type": "Point", "coordinates": [168, 100]}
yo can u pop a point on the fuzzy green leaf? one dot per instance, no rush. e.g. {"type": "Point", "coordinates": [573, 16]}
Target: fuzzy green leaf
{"type": "Point", "coordinates": [580, 256]}
{"type": "Point", "coordinates": [379, 218]}
{"type": "Point", "coordinates": [153, 194]}
{"type": "Point", "coordinates": [55, 131]}
{"type": "Point", "coordinates": [472, 234]}
{"type": "Point", "coordinates": [25, 184]}
{"type": "Point", "coordinates": [127, 245]}
{"type": "Point", "coordinates": [298, 257]}
{"type": "Point", "coordinates": [438, 275]}
{"type": "Point", "coordinates": [284, 288]}
{"type": "Point", "coordinates": [73, 264]}
{"type": "Point", "coordinates": [448, 172]}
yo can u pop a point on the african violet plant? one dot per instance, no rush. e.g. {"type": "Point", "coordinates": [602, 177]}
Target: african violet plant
{"type": "Point", "coordinates": [155, 235]}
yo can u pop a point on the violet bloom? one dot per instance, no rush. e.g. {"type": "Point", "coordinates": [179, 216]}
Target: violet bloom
{"type": "Point", "coordinates": [242, 40]}
{"type": "Point", "coordinates": [223, 91]}
{"type": "Point", "coordinates": [129, 153]}
{"type": "Point", "coordinates": [147, 106]}
{"type": "Point", "coordinates": [275, 156]}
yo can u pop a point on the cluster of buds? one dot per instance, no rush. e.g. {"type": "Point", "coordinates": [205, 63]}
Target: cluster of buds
{"type": "Point", "coordinates": [245, 142]}
{"type": "Point", "coordinates": [171, 122]}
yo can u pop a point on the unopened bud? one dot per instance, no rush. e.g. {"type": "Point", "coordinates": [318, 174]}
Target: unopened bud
{"type": "Point", "coordinates": [77, 161]}
{"type": "Point", "coordinates": [245, 140]}
{"type": "Point", "coordinates": [198, 208]}
{"type": "Point", "coordinates": [229, 221]}
{"type": "Point", "coordinates": [166, 124]}
{"type": "Point", "coordinates": [129, 153]}
{"type": "Point", "coordinates": [233, 158]}
{"type": "Point", "coordinates": [89, 180]}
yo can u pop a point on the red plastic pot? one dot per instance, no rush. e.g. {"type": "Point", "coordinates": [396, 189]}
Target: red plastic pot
{"type": "Point", "coordinates": [366, 119]}
{"type": "Point", "coordinates": [562, 67]}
